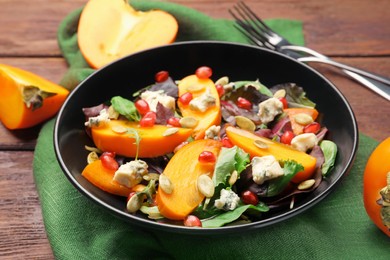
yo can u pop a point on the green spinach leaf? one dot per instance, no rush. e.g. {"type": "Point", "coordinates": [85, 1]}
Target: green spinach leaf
{"type": "Point", "coordinates": [329, 149]}
{"type": "Point", "coordinates": [126, 108]}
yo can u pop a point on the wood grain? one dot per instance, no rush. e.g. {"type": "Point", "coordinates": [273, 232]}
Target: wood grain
{"type": "Point", "coordinates": [354, 32]}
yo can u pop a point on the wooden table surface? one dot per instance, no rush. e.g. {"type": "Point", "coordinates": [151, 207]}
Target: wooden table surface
{"type": "Point", "coordinates": [355, 32]}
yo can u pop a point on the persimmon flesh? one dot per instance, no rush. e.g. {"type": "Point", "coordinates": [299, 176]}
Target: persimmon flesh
{"type": "Point", "coordinates": [111, 29]}
{"type": "Point", "coordinates": [154, 141]}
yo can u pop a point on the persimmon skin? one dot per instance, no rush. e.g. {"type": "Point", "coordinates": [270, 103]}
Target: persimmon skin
{"type": "Point", "coordinates": [374, 179]}
{"type": "Point", "coordinates": [152, 144]}
{"type": "Point", "coordinates": [245, 140]}
{"type": "Point", "coordinates": [212, 116]}
{"type": "Point", "coordinates": [183, 171]}
{"type": "Point", "coordinates": [111, 29]}
{"type": "Point", "coordinates": [14, 113]}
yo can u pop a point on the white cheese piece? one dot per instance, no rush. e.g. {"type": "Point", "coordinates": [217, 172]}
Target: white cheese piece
{"type": "Point", "coordinates": [228, 200]}
{"type": "Point", "coordinates": [270, 108]}
{"type": "Point", "coordinates": [130, 174]}
{"type": "Point", "coordinates": [97, 121]}
{"type": "Point", "coordinates": [203, 102]}
{"type": "Point", "coordinates": [265, 168]}
{"type": "Point", "coordinates": [304, 142]}
{"type": "Point", "coordinates": [155, 97]}
{"type": "Point", "coordinates": [212, 132]}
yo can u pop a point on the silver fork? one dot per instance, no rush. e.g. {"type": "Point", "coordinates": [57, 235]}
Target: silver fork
{"type": "Point", "coordinates": [262, 35]}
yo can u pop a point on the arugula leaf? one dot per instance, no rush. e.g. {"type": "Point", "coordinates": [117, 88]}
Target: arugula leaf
{"type": "Point", "coordinates": [134, 133]}
{"type": "Point", "coordinates": [329, 149]}
{"type": "Point", "coordinates": [230, 216]}
{"type": "Point", "coordinates": [229, 160]}
{"type": "Point", "coordinates": [260, 87]}
{"type": "Point", "coordinates": [126, 108]}
{"type": "Point", "coordinates": [290, 168]}
{"type": "Point", "coordinates": [295, 95]}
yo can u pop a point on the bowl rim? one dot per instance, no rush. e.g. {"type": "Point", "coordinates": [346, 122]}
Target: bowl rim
{"type": "Point", "coordinates": [146, 223]}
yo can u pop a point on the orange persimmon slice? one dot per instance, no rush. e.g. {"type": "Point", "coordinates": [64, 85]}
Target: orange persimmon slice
{"type": "Point", "coordinates": [26, 98]}
{"type": "Point", "coordinates": [154, 141]}
{"type": "Point", "coordinates": [102, 178]}
{"type": "Point", "coordinates": [197, 87]}
{"type": "Point", "coordinates": [183, 171]}
{"type": "Point", "coordinates": [246, 141]}
{"type": "Point", "coordinates": [111, 29]}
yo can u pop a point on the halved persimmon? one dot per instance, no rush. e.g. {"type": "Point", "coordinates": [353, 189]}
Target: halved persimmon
{"type": "Point", "coordinates": [111, 29]}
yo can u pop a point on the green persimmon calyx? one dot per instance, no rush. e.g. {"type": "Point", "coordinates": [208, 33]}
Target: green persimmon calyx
{"type": "Point", "coordinates": [385, 203]}
{"type": "Point", "coordinates": [33, 96]}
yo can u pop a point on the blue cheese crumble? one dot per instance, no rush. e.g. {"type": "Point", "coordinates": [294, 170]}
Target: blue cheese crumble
{"type": "Point", "coordinates": [228, 200]}
{"type": "Point", "coordinates": [265, 168]}
{"type": "Point", "coordinates": [131, 173]}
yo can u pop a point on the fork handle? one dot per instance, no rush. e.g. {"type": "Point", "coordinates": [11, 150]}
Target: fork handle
{"type": "Point", "coordinates": [318, 57]}
{"type": "Point", "coordinates": [346, 67]}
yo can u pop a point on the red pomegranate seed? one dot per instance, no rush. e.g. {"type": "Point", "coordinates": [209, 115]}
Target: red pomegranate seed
{"type": "Point", "coordinates": [109, 162]}
{"type": "Point", "coordinates": [248, 197]}
{"type": "Point", "coordinates": [226, 142]}
{"type": "Point", "coordinates": [244, 103]}
{"type": "Point", "coordinates": [312, 128]}
{"type": "Point", "coordinates": [286, 137]}
{"type": "Point", "coordinates": [206, 157]}
{"type": "Point", "coordinates": [142, 106]}
{"type": "Point", "coordinates": [111, 154]}
{"type": "Point", "coordinates": [148, 120]}
{"type": "Point", "coordinates": [186, 98]}
{"type": "Point", "coordinates": [161, 76]}
{"type": "Point", "coordinates": [204, 72]}
{"type": "Point", "coordinates": [220, 90]}
{"type": "Point", "coordinates": [284, 102]}
{"type": "Point", "coordinates": [174, 121]}
{"type": "Point", "coordinates": [192, 221]}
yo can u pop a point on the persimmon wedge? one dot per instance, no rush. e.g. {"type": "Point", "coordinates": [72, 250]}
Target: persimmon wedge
{"type": "Point", "coordinates": [102, 178]}
{"type": "Point", "coordinates": [27, 99]}
{"type": "Point", "coordinates": [111, 29]}
{"type": "Point", "coordinates": [183, 171]}
{"type": "Point", "coordinates": [246, 141]}
{"type": "Point", "coordinates": [197, 87]}
{"type": "Point", "coordinates": [114, 136]}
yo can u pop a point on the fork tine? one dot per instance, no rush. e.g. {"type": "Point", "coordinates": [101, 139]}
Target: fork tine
{"type": "Point", "coordinates": [252, 26]}
{"type": "Point", "coordinates": [255, 18]}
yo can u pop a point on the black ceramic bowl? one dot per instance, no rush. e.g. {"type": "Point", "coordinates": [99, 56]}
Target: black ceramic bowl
{"type": "Point", "coordinates": [239, 62]}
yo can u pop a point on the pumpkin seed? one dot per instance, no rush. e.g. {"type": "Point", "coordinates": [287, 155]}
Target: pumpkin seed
{"type": "Point", "coordinates": [195, 88]}
{"type": "Point", "coordinates": [119, 129]}
{"type": "Point", "coordinates": [92, 156]}
{"type": "Point", "coordinates": [151, 176]}
{"type": "Point", "coordinates": [281, 93]}
{"type": "Point", "coordinates": [245, 123]}
{"type": "Point", "coordinates": [303, 119]}
{"type": "Point", "coordinates": [205, 185]}
{"type": "Point", "coordinates": [260, 144]}
{"type": "Point", "coordinates": [92, 149]}
{"type": "Point", "coordinates": [222, 81]}
{"type": "Point", "coordinates": [134, 203]}
{"type": "Point", "coordinates": [170, 131]}
{"type": "Point", "coordinates": [307, 184]}
{"type": "Point", "coordinates": [188, 122]}
{"type": "Point", "coordinates": [165, 184]}
{"type": "Point", "coordinates": [233, 178]}
{"type": "Point", "coordinates": [112, 113]}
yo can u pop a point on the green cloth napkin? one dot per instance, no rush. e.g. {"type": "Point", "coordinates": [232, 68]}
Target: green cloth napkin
{"type": "Point", "coordinates": [336, 228]}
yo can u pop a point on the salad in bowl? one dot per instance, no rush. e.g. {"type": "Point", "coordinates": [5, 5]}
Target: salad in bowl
{"type": "Point", "coordinates": [203, 153]}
